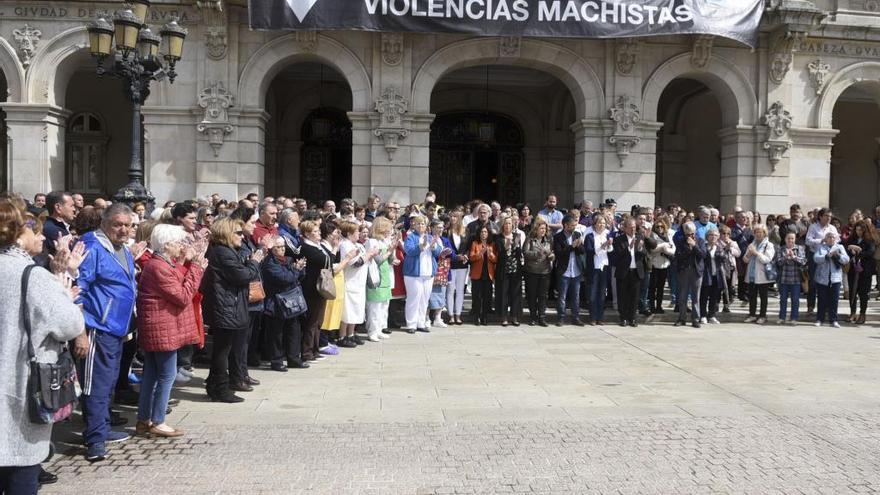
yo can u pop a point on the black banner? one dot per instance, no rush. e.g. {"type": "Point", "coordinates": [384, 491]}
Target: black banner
{"type": "Point", "coordinates": [734, 19]}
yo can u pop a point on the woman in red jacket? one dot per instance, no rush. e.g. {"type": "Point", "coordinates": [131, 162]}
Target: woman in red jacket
{"type": "Point", "coordinates": [166, 322]}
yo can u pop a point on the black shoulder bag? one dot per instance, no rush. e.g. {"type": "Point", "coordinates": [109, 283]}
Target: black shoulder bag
{"type": "Point", "coordinates": [52, 388]}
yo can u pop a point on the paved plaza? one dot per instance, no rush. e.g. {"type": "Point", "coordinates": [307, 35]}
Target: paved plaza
{"type": "Point", "coordinates": [730, 408]}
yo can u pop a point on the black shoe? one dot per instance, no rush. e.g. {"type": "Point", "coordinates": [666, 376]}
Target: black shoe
{"type": "Point", "coordinates": [532, 323]}
{"type": "Point", "coordinates": [622, 323]}
{"type": "Point", "coordinates": [413, 330]}
{"type": "Point", "coordinates": [299, 365]}
{"type": "Point", "coordinates": [168, 410]}
{"type": "Point", "coordinates": [542, 322]}
{"type": "Point", "coordinates": [634, 323]}
{"type": "Point", "coordinates": [577, 322]}
{"type": "Point", "coordinates": [645, 312]}
{"type": "Point", "coordinates": [279, 367]}
{"type": "Point", "coordinates": [251, 381]}
{"type": "Point", "coordinates": [357, 340]}
{"type": "Point", "coordinates": [386, 331]}
{"type": "Point", "coordinates": [696, 324]}
{"type": "Point", "coordinates": [424, 330]}
{"type": "Point", "coordinates": [679, 323]}
{"type": "Point", "coordinates": [46, 478]}
{"type": "Point", "coordinates": [126, 397]}
{"type": "Point", "coordinates": [116, 419]}
{"type": "Point", "coordinates": [346, 343]}
{"type": "Point", "coordinates": [228, 397]}
{"type": "Point", "coordinates": [240, 387]}
{"type": "Point", "coordinates": [172, 402]}
{"type": "Point", "coordinates": [559, 322]}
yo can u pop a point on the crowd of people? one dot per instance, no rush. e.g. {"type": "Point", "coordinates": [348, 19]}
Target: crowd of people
{"type": "Point", "coordinates": [283, 283]}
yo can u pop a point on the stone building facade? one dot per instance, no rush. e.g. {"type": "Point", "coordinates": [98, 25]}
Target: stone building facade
{"type": "Point", "coordinates": [688, 119]}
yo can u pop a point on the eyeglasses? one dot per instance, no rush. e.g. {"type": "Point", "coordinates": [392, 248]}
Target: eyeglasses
{"type": "Point", "coordinates": [239, 233]}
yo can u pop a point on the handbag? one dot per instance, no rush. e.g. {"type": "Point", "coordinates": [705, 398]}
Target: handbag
{"type": "Point", "coordinates": [770, 269]}
{"type": "Point", "coordinates": [326, 284]}
{"type": "Point", "coordinates": [256, 293]}
{"type": "Point", "coordinates": [374, 279]}
{"type": "Point", "coordinates": [52, 388]}
{"type": "Point", "coordinates": [290, 303]}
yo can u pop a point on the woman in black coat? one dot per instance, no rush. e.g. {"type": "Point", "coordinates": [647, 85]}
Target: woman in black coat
{"type": "Point", "coordinates": [250, 345]}
{"type": "Point", "coordinates": [281, 273]}
{"type": "Point", "coordinates": [316, 260]}
{"type": "Point", "coordinates": [225, 306]}
{"type": "Point", "coordinates": [508, 273]}
{"type": "Point", "coordinates": [861, 245]}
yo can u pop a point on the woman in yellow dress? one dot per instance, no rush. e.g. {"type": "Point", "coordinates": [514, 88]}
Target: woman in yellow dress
{"type": "Point", "coordinates": [333, 312]}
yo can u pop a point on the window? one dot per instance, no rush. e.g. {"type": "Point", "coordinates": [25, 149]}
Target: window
{"type": "Point", "coordinates": [86, 151]}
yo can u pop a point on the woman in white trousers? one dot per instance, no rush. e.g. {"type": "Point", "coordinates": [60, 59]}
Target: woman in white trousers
{"type": "Point", "coordinates": [419, 266]}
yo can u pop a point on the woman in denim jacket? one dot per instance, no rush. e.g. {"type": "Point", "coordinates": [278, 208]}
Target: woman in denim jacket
{"type": "Point", "coordinates": [830, 258]}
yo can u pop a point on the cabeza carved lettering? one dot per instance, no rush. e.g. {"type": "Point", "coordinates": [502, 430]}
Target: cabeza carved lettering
{"type": "Point", "coordinates": [838, 48]}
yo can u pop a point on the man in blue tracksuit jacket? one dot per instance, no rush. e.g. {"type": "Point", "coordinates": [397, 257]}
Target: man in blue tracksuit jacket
{"type": "Point", "coordinates": [106, 281]}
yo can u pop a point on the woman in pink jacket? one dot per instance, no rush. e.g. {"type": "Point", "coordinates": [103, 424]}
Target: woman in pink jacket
{"type": "Point", "coordinates": [166, 322]}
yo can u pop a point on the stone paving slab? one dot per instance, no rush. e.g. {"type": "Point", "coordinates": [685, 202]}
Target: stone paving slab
{"type": "Point", "coordinates": [729, 408]}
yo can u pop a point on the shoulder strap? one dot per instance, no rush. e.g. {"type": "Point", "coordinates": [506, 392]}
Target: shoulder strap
{"type": "Point", "coordinates": [25, 314]}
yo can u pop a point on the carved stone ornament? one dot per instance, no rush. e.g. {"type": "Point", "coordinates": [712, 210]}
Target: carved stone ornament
{"type": "Point", "coordinates": [392, 48]}
{"type": "Point", "coordinates": [216, 100]}
{"type": "Point", "coordinates": [307, 40]}
{"type": "Point", "coordinates": [783, 54]}
{"type": "Point", "coordinates": [510, 47]}
{"type": "Point", "coordinates": [702, 50]}
{"type": "Point", "coordinates": [215, 42]}
{"type": "Point", "coordinates": [27, 38]}
{"type": "Point", "coordinates": [626, 53]}
{"type": "Point", "coordinates": [391, 107]}
{"type": "Point", "coordinates": [818, 74]}
{"type": "Point", "coordinates": [778, 121]}
{"type": "Point", "coordinates": [625, 115]}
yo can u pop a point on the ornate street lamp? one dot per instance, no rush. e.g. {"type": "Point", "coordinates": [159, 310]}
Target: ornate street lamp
{"type": "Point", "coordinates": [137, 58]}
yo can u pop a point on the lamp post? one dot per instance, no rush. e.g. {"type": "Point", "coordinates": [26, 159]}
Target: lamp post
{"type": "Point", "coordinates": [136, 56]}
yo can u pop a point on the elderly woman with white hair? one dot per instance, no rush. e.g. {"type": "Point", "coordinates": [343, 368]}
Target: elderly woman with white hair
{"type": "Point", "coordinates": [166, 321]}
{"type": "Point", "coordinates": [690, 255]}
{"type": "Point", "coordinates": [760, 272]}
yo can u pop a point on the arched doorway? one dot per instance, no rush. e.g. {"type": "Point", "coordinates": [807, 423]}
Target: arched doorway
{"type": "Point", "coordinates": [476, 155]}
{"type": "Point", "coordinates": [688, 147]}
{"type": "Point", "coordinates": [98, 136]}
{"type": "Point", "coordinates": [326, 155]}
{"type": "Point", "coordinates": [308, 136]}
{"type": "Point", "coordinates": [501, 133]}
{"type": "Point", "coordinates": [855, 154]}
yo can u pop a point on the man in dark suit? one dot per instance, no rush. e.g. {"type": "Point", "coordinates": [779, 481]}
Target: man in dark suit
{"type": "Point", "coordinates": [690, 255]}
{"type": "Point", "coordinates": [568, 246]}
{"type": "Point", "coordinates": [630, 265]}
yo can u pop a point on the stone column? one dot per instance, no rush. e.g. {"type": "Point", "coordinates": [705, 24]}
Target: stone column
{"type": "Point", "coordinates": [361, 143]}
{"type": "Point", "coordinates": [237, 168]}
{"type": "Point", "coordinates": [170, 153]}
{"type": "Point", "coordinates": [589, 159]}
{"type": "Point", "coordinates": [36, 147]}
{"type": "Point", "coordinates": [810, 167]}
{"type": "Point", "coordinates": [741, 165]}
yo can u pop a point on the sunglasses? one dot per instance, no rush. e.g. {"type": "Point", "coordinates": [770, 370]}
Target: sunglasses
{"type": "Point", "coordinates": [239, 233]}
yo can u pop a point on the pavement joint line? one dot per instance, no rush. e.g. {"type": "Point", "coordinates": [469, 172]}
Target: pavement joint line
{"type": "Point", "coordinates": [777, 417]}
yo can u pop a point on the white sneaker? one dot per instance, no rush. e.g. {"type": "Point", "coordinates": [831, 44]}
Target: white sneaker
{"type": "Point", "coordinates": [835, 324]}
{"type": "Point", "coordinates": [780, 322]}
{"type": "Point", "coordinates": [714, 321]}
{"type": "Point", "coordinates": [384, 335]}
{"type": "Point", "coordinates": [750, 319]}
{"type": "Point", "coordinates": [703, 320]}
{"type": "Point", "coordinates": [817, 324]}
{"type": "Point", "coordinates": [761, 320]}
{"type": "Point", "coordinates": [373, 338]}
{"type": "Point", "coordinates": [438, 322]}
{"type": "Point", "coordinates": [791, 322]}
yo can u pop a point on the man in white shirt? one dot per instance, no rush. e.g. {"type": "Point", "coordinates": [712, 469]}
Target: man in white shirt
{"type": "Point", "coordinates": [815, 237]}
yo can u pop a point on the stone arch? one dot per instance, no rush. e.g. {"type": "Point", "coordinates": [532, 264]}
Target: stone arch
{"type": "Point", "coordinates": [272, 57]}
{"type": "Point", "coordinates": [735, 93]}
{"type": "Point", "coordinates": [566, 65]}
{"type": "Point", "coordinates": [53, 65]}
{"type": "Point", "coordinates": [506, 104]}
{"type": "Point", "coordinates": [13, 72]}
{"type": "Point", "coordinates": [843, 79]}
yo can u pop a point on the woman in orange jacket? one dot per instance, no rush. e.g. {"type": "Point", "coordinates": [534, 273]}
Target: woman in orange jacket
{"type": "Point", "coordinates": [483, 259]}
